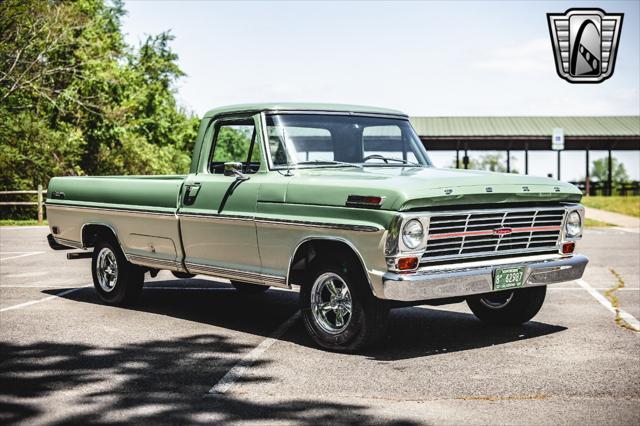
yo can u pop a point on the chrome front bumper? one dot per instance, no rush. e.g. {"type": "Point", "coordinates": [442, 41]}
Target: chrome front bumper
{"type": "Point", "coordinates": [428, 285]}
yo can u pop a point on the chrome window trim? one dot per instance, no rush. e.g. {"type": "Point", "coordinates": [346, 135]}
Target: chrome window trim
{"type": "Point", "coordinates": [267, 152]}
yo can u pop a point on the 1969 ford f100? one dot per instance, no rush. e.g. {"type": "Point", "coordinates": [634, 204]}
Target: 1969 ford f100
{"type": "Point", "coordinates": [339, 200]}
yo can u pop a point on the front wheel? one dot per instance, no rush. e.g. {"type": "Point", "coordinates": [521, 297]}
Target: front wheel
{"type": "Point", "coordinates": [512, 307]}
{"type": "Point", "coordinates": [116, 281]}
{"type": "Point", "coordinates": [338, 310]}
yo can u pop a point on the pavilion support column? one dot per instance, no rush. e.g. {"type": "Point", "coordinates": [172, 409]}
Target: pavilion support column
{"type": "Point", "coordinates": [587, 183]}
{"type": "Point", "coordinates": [609, 175]}
{"type": "Point", "coordinates": [465, 160]}
{"type": "Point", "coordinates": [457, 158]}
{"type": "Point", "coordinates": [508, 161]}
{"type": "Point", "coordinates": [526, 159]}
{"type": "Point", "coordinates": [559, 162]}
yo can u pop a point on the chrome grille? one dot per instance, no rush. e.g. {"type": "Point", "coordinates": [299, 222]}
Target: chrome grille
{"type": "Point", "coordinates": [477, 234]}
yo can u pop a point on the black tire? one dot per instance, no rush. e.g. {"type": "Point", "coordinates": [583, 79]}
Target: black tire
{"type": "Point", "coordinates": [246, 288]}
{"type": "Point", "coordinates": [129, 278]}
{"type": "Point", "coordinates": [182, 275]}
{"type": "Point", "coordinates": [367, 322]}
{"type": "Point", "coordinates": [513, 307]}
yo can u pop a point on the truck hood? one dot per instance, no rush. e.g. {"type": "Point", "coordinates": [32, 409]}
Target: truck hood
{"type": "Point", "coordinates": [410, 188]}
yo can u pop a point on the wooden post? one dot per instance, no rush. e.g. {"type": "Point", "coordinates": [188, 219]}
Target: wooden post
{"type": "Point", "coordinates": [526, 159]}
{"type": "Point", "coordinates": [40, 204]}
{"type": "Point", "coordinates": [559, 165]}
{"type": "Point", "coordinates": [508, 161]}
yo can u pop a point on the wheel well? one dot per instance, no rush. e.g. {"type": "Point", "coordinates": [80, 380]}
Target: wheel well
{"type": "Point", "coordinates": [93, 233]}
{"type": "Point", "coordinates": [315, 250]}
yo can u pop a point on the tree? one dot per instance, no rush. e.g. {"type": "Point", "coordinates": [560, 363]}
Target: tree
{"type": "Point", "coordinates": [490, 162]}
{"type": "Point", "coordinates": [76, 99]}
{"type": "Point", "coordinates": [600, 171]}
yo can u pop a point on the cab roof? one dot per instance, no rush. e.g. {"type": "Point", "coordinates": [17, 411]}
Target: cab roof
{"type": "Point", "coordinates": [316, 107]}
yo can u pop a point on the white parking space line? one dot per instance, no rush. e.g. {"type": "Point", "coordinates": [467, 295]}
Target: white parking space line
{"type": "Point", "coordinates": [33, 302]}
{"type": "Point", "coordinates": [599, 288]}
{"type": "Point", "coordinates": [32, 253]}
{"type": "Point", "coordinates": [630, 319]}
{"type": "Point", "coordinates": [238, 370]}
{"type": "Point", "coordinates": [629, 230]}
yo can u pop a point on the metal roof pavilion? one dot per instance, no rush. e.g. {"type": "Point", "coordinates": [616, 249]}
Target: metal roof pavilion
{"type": "Point", "coordinates": [528, 133]}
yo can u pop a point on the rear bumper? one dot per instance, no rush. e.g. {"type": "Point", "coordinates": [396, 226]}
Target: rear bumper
{"type": "Point", "coordinates": [428, 285]}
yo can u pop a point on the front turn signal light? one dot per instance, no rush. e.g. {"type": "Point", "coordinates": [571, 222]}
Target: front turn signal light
{"type": "Point", "coordinates": [567, 248]}
{"type": "Point", "coordinates": [407, 263]}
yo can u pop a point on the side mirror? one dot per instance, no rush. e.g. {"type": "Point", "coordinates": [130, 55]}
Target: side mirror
{"type": "Point", "coordinates": [233, 168]}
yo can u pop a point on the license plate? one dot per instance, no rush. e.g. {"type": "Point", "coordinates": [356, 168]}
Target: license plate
{"type": "Point", "coordinates": [506, 278]}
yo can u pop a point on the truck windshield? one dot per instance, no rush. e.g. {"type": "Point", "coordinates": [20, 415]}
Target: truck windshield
{"type": "Point", "coordinates": [325, 140]}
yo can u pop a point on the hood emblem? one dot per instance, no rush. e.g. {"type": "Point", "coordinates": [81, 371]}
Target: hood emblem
{"type": "Point", "coordinates": [502, 231]}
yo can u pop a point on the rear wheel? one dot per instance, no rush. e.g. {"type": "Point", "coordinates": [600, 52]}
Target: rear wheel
{"type": "Point", "coordinates": [116, 281]}
{"type": "Point", "coordinates": [508, 307]}
{"type": "Point", "coordinates": [338, 309]}
{"type": "Point", "coordinates": [246, 288]}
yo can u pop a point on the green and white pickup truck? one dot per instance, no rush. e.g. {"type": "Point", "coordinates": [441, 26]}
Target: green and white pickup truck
{"type": "Point", "coordinates": [339, 200]}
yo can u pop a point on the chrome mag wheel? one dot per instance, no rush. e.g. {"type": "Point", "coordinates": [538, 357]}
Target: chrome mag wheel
{"type": "Point", "coordinates": [331, 303]}
{"type": "Point", "coordinates": [107, 269]}
{"type": "Point", "coordinates": [497, 300]}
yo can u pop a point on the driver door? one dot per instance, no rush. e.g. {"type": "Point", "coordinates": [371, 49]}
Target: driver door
{"type": "Point", "coordinates": [217, 212]}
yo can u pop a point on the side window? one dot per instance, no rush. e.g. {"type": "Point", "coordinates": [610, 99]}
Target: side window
{"type": "Point", "coordinates": [235, 142]}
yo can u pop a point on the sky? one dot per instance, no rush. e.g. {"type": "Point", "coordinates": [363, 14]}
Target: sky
{"type": "Point", "coordinates": [425, 58]}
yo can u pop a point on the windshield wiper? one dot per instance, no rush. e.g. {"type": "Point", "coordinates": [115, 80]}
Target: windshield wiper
{"type": "Point", "coordinates": [387, 159]}
{"type": "Point", "coordinates": [329, 162]}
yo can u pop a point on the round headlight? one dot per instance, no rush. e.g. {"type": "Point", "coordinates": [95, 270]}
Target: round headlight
{"type": "Point", "coordinates": [574, 225]}
{"type": "Point", "coordinates": [412, 234]}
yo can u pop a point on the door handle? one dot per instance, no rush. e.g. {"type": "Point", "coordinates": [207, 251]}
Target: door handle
{"type": "Point", "coordinates": [190, 193]}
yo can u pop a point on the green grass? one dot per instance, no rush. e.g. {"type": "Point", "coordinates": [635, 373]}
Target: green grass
{"type": "Point", "coordinates": [19, 222]}
{"type": "Point", "coordinates": [629, 205]}
{"type": "Point", "coordinates": [592, 223]}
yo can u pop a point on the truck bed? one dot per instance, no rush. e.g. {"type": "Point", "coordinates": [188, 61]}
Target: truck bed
{"type": "Point", "coordinates": [140, 210]}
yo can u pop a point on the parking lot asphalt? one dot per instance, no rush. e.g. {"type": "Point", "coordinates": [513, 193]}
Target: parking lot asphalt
{"type": "Point", "coordinates": [65, 357]}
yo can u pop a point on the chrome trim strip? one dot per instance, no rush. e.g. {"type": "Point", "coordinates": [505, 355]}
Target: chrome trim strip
{"type": "Point", "coordinates": [116, 209]}
{"type": "Point", "coordinates": [264, 220]}
{"type": "Point", "coordinates": [361, 228]}
{"type": "Point", "coordinates": [489, 262]}
{"type": "Point", "coordinates": [156, 263]}
{"type": "Point", "coordinates": [69, 243]}
{"type": "Point", "coordinates": [478, 280]}
{"type": "Point", "coordinates": [216, 216]}
{"type": "Point", "coordinates": [236, 274]}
